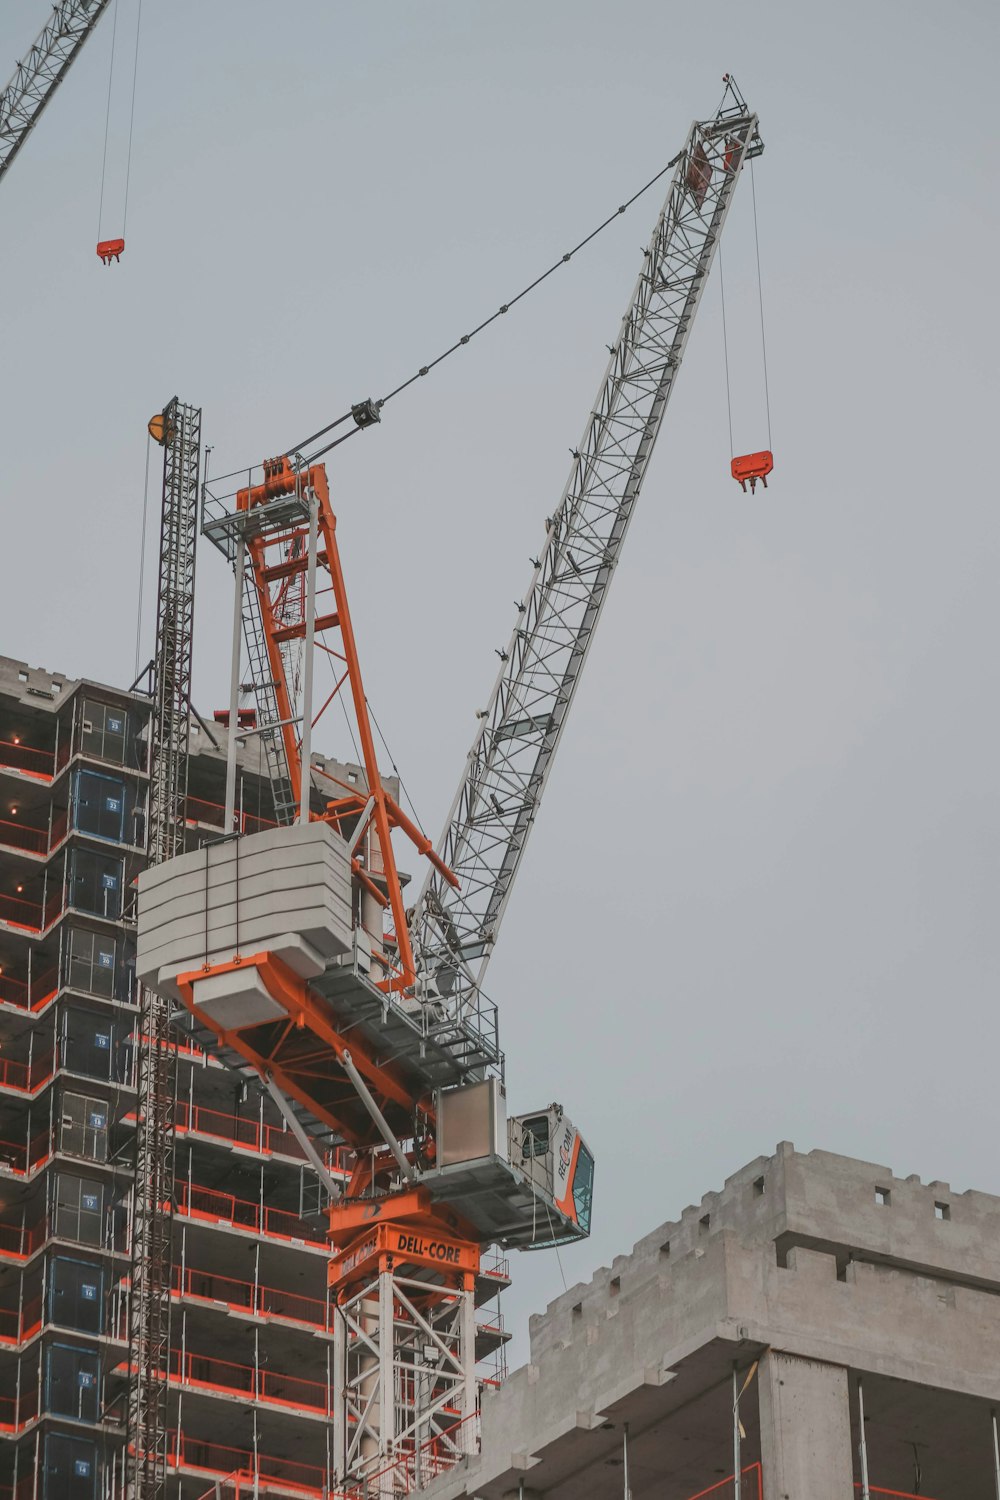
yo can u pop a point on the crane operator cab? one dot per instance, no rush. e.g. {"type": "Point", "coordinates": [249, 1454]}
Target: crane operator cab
{"type": "Point", "coordinates": [525, 1183]}
{"type": "Point", "coordinates": [550, 1150]}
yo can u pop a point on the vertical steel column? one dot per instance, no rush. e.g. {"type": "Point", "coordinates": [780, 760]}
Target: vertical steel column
{"type": "Point", "coordinates": [863, 1443]}
{"type": "Point", "coordinates": [307, 677]}
{"type": "Point", "coordinates": [737, 1455]}
{"type": "Point", "coordinates": [996, 1453]}
{"type": "Point", "coordinates": [234, 686]}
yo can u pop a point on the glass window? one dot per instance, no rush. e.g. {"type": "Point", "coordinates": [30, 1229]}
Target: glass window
{"type": "Point", "coordinates": [104, 732]}
{"type": "Point", "coordinates": [95, 883]}
{"type": "Point", "coordinates": [76, 1295]}
{"type": "Point", "coordinates": [79, 1209]}
{"type": "Point", "coordinates": [91, 962]}
{"type": "Point", "coordinates": [73, 1382]}
{"type": "Point", "coordinates": [583, 1188]}
{"type": "Point", "coordinates": [96, 1046]}
{"type": "Point", "coordinates": [84, 1127]}
{"type": "Point", "coordinates": [99, 806]}
{"type": "Point", "coordinates": [536, 1136]}
{"type": "Point", "coordinates": [70, 1468]}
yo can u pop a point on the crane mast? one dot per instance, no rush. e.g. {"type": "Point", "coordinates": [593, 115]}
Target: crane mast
{"type": "Point", "coordinates": [511, 756]}
{"type": "Point", "coordinates": [36, 78]}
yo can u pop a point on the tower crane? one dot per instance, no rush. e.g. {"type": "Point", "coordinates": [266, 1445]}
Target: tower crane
{"type": "Point", "coordinates": [37, 77]}
{"type": "Point", "coordinates": [292, 954]}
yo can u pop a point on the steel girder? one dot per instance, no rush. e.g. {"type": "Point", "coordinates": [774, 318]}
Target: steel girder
{"type": "Point", "coordinates": [512, 754]}
{"type": "Point", "coordinates": [36, 78]}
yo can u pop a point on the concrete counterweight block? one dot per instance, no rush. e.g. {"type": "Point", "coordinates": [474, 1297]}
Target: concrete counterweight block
{"type": "Point", "coordinates": [286, 892]}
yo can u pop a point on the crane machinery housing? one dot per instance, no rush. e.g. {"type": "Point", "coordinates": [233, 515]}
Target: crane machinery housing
{"type": "Point", "coordinates": [291, 953]}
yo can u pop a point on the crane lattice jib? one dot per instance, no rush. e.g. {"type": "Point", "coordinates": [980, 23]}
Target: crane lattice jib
{"type": "Point", "coordinates": [37, 76]}
{"type": "Point", "coordinates": [510, 759]}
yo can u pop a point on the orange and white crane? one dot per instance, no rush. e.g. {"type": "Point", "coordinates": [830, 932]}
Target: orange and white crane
{"type": "Point", "coordinates": [292, 952]}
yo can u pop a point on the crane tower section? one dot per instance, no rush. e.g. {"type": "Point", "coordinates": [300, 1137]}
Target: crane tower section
{"type": "Point", "coordinates": [455, 926]}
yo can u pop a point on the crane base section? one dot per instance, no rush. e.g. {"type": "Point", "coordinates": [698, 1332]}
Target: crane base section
{"type": "Point", "coordinates": [406, 1343]}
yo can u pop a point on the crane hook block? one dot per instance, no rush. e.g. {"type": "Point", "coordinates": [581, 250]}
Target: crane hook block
{"type": "Point", "coordinates": [110, 250]}
{"type": "Point", "coordinates": [753, 466]}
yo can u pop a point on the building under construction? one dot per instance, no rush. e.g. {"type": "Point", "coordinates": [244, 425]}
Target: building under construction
{"type": "Point", "coordinates": [249, 1366]}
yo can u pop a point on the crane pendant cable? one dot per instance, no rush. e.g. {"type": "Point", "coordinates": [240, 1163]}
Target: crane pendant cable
{"type": "Point", "coordinates": [112, 249]}
{"type": "Point", "coordinates": [747, 468]}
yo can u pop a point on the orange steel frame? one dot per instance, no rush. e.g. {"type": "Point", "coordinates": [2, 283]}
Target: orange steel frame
{"type": "Point", "coordinates": [292, 562]}
{"type": "Point", "coordinates": [304, 1052]}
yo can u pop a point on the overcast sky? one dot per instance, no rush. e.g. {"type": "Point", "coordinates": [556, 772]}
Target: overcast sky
{"type": "Point", "coordinates": [760, 902]}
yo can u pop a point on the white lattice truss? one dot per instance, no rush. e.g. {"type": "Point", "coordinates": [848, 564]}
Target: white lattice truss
{"type": "Point", "coordinates": [406, 1395]}
{"type": "Point", "coordinates": [511, 756]}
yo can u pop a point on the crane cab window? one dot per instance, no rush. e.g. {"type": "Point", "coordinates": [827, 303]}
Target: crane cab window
{"type": "Point", "coordinates": [536, 1139]}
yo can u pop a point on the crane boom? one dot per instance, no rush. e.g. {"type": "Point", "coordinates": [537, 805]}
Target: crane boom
{"type": "Point", "coordinates": [488, 825]}
{"type": "Point", "coordinates": [36, 78]}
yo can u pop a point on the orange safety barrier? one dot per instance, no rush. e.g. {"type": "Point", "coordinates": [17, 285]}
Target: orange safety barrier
{"type": "Point", "coordinates": [19, 1242]}
{"type": "Point", "coordinates": [197, 810]}
{"type": "Point", "coordinates": [23, 837]}
{"type": "Point", "coordinates": [26, 1078]}
{"type": "Point", "coordinates": [17, 757]}
{"type": "Point", "coordinates": [22, 1159]}
{"type": "Point", "coordinates": [18, 1412]}
{"type": "Point", "coordinates": [35, 997]}
{"type": "Point", "coordinates": [236, 1466]}
{"type": "Point", "coordinates": [272, 1387]}
{"type": "Point", "coordinates": [245, 1296]}
{"type": "Point", "coordinates": [17, 1326]}
{"type": "Point", "coordinates": [213, 1207]}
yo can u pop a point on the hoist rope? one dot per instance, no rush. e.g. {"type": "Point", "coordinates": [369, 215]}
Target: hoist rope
{"type": "Point", "coordinates": [725, 350]}
{"type": "Point", "coordinates": [107, 118]}
{"type": "Point", "coordinates": [760, 299]}
{"type": "Point", "coordinates": [392, 762]}
{"type": "Point", "coordinates": [142, 559]}
{"type": "Point", "coordinates": [131, 118]}
{"type": "Point", "coordinates": [466, 338]}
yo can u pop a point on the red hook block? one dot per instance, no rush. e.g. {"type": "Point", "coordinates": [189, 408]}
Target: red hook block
{"type": "Point", "coordinates": [110, 250]}
{"type": "Point", "coordinates": [753, 466]}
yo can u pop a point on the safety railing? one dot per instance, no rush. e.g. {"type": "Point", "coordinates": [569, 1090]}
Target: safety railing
{"type": "Point", "coordinates": [24, 1158]}
{"type": "Point", "coordinates": [26, 1077]}
{"type": "Point", "coordinates": [31, 916]}
{"type": "Point", "coordinates": [27, 758]}
{"type": "Point", "coordinates": [197, 810]}
{"type": "Point", "coordinates": [238, 1130]}
{"type": "Point", "coordinates": [247, 1296]}
{"type": "Point", "coordinates": [20, 1241]}
{"type": "Point", "coordinates": [213, 1207]}
{"type": "Point", "coordinates": [19, 1324]}
{"type": "Point", "coordinates": [23, 837]}
{"type": "Point", "coordinates": [30, 997]}
{"type": "Point", "coordinates": [273, 1387]}
{"type": "Point", "coordinates": [237, 1466]}
{"type": "Point", "coordinates": [18, 1412]}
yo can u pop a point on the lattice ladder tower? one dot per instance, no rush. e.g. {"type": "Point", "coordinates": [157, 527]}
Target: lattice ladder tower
{"type": "Point", "coordinates": [36, 78]}
{"type": "Point", "coordinates": [455, 930]}
{"type": "Point", "coordinates": [149, 1300]}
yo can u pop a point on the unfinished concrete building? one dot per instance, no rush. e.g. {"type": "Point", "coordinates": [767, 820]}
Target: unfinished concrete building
{"type": "Point", "coordinates": [249, 1372]}
{"type": "Point", "coordinates": [848, 1320]}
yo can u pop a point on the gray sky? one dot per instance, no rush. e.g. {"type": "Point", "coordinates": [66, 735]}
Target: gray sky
{"type": "Point", "coordinates": [759, 902]}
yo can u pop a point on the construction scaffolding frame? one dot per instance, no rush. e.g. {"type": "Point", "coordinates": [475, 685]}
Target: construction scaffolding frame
{"type": "Point", "coordinates": [179, 430]}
